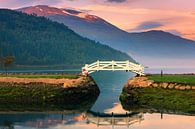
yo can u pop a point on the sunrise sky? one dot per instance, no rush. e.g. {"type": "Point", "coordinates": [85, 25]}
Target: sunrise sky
{"type": "Point", "coordinates": [175, 16]}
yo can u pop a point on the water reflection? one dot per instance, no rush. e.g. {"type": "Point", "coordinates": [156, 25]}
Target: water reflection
{"type": "Point", "coordinates": [85, 120]}
{"type": "Point", "coordinates": [110, 84]}
{"type": "Point", "coordinates": [51, 117]}
{"type": "Point", "coordinates": [81, 105]}
{"type": "Point", "coordinates": [105, 119]}
{"type": "Point", "coordinates": [45, 120]}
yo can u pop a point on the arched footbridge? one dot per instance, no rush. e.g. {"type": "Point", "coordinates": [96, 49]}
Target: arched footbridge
{"type": "Point", "coordinates": [113, 66]}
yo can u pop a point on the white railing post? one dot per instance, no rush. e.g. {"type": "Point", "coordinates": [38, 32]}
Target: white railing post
{"type": "Point", "coordinates": [127, 64]}
{"type": "Point", "coordinates": [98, 65]}
{"type": "Point", "coordinates": [112, 65]}
{"type": "Point", "coordinates": [86, 66]}
{"type": "Point", "coordinates": [85, 70]}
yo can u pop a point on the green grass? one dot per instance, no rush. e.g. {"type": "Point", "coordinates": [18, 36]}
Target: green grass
{"type": "Point", "coordinates": [43, 76]}
{"type": "Point", "coordinates": [41, 97]}
{"type": "Point", "coordinates": [181, 79]}
{"type": "Point", "coordinates": [162, 99]}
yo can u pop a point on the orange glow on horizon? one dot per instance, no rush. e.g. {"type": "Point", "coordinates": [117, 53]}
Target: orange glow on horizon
{"type": "Point", "coordinates": [181, 22]}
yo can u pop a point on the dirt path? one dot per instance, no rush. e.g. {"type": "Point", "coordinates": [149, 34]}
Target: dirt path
{"type": "Point", "coordinates": [66, 82]}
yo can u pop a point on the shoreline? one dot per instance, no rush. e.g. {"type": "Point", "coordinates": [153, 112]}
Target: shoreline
{"type": "Point", "coordinates": [145, 81]}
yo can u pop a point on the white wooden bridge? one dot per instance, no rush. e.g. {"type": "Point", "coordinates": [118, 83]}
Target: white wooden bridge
{"type": "Point", "coordinates": [113, 66]}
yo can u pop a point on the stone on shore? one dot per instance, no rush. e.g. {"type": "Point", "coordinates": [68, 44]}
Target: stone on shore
{"type": "Point", "coordinates": [141, 82]}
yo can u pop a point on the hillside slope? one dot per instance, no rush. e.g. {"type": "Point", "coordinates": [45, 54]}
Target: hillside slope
{"type": "Point", "coordinates": [39, 41]}
{"type": "Point", "coordinates": [153, 48]}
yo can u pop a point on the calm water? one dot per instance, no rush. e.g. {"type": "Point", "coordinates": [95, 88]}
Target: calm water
{"type": "Point", "coordinates": [110, 84]}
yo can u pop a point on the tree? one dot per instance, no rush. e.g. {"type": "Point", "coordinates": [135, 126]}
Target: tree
{"type": "Point", "coordinates": [7, 61]}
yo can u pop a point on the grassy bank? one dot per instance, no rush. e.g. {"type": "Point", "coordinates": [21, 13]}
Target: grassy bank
{"type": "Point", "coordinates": [160, 99]}
{"type": "Point", "coordinates": [180, 79]}
{"type": "Point", "coordinates": [52, 76]}
{"type": "Point", "coordinates": [42, 96]}
{"type": "Point", "coordinates": [39, 97]}
{"type": "Point", "coordinates": [164, 94]}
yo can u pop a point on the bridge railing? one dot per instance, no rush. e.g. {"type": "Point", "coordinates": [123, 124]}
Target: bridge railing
{"type": "Point", "coordinates": [113, 66]}
{"type": "Point", "coordinates": [105, 119]}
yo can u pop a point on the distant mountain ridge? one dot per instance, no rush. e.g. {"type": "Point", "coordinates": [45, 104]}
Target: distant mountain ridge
{"type": "Point", "coordinates": [39, 41]}
{"type": "Point", "coordinates": [157, 48]}
{"type": "Point", "coordinates": [44, 10]}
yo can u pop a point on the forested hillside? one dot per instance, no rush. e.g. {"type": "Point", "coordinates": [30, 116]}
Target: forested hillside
{"type": "Point", "coordinates": [152, 48]}
{"type": "Point", "coordinates": [38, 41]}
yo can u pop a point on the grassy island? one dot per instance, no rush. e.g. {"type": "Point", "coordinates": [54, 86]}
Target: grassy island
{"type": "Point", "coordinates": [46, 92]}
{"type": "Point", "coordinates": [169, 93]}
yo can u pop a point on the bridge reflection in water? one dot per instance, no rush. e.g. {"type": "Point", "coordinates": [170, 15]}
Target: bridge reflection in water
{"type": "Point", "coordinates": [104, 119]}
{"type": "Point", "coordinates": [42, 120]}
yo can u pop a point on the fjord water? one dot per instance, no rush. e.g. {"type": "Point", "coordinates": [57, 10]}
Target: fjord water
{"type": "Point", "coordinates": [110, 84]}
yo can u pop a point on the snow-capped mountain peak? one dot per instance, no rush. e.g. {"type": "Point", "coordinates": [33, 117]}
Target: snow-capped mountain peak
{"type": "Point", "coordinates": [44, 10]}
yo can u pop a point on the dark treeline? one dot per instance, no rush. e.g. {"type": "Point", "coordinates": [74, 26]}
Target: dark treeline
{"type": "Point", "coordinates": [38, 41]}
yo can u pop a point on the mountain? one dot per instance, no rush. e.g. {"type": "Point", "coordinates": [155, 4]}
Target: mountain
{"type": "Point", "coordinates": [152, 48]}
{"type": "Point", "coordinates": [38, 41]}
{"type": "Point", "coordinates": [82, 23]}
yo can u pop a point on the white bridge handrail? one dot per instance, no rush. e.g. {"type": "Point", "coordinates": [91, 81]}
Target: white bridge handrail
{"type": "Point", "coordinates": [113, 66]}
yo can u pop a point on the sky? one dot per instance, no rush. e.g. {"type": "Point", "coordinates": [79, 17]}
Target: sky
{"type": "Point", "coordinates": [175, 16]}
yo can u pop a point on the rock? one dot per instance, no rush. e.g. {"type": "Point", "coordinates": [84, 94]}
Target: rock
{"type": "Point", "coordinates": [155, 85]}
{"type": "Point", "coordinates": [182, 87]}
{"type": "Point", "coordinates": [141, 82]}
{"type": "Point", "coordinates": [171, 85]}
{"type": "Point", "coordinates": [164, 85]}
{"type": "Point", "coordinates": [188, 87]}
{"type": "Point", "coordinates": [177, 87]}
{"type": "Point", "coordinates": [193, 87]}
